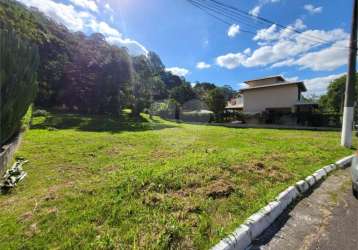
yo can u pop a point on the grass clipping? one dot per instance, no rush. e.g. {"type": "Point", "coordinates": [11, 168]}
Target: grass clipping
{"type": "Point", "coordinates": [12, 176]}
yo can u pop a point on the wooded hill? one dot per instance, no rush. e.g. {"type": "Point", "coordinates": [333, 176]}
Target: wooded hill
{"type": "Point", "coordinates": [81, 73]}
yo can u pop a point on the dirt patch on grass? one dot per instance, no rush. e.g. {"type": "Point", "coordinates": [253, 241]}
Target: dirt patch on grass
{"type": "Point", "coordinates": [153, 199]}
{"type": "Point", "coordinates": [261, 170]}
{"type": "Point", "coordinates": [113, 151]}
{"type": "Point", "coordinates": [52, 192]}
{"type": "Point", "coordinates": [160, 154]}
{"type": "Point", "coordinates": [26, 216]}
{"type": "Point", "coordinates": [32, 230]}
{"type": "Point", "coordinates": [111, 168]}
{"type": "Point", "coordinates": [216, 188]}
{"type": "Point", "coordinates": [219, 189]}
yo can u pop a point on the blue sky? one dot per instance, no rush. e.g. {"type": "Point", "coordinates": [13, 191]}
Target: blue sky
{"type": "Point", "coordinates": [201, 48]}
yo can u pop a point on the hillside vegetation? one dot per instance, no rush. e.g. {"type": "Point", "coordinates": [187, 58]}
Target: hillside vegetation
{"type": "Point", "coordinates": [86, 74]}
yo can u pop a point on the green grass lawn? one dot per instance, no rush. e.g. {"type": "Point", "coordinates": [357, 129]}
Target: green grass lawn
{"type": "Point", "coordinates": [95, 182]}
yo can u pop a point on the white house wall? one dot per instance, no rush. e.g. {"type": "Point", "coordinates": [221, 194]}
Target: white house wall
{"type": "Point", "coordinates": [257, 100]}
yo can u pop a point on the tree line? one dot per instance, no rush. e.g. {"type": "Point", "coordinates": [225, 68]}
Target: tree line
{"type": "Point", "coordinates": [86, 74]}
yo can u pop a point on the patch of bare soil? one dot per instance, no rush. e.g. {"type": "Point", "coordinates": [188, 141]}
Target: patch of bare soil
{"type": "Point", "coordinates": [26, 216]}
{"type": "Point", "coordinates": [113, 151]}
{"type": "Point", "coordinates": [52, 192]}
{"type": "Point", "coordinates": [219, 189]}
{"type": "Point", "coordinates": [263, 170]}
{"type": "Point", "coordinates": [160, 154]}
{"type": "Point", "coordinates": [111, 168]}
{"type": "Point", "coordinates": [32, 231]}
{"type": "Point", "coordinates": [153, 199]}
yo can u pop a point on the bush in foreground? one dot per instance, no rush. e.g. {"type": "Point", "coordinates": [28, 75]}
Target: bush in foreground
{"type": "Point", "coordinates": [18, 67]}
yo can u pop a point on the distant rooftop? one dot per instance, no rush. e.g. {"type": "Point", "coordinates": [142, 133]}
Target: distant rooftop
{"type": "Point", "coordinates": [301, 85]}
{"type": "Point", "coordinates": [278, 78]}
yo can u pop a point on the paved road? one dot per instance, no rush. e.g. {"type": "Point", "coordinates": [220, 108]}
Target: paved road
{"type": "Point", "coordinates": [325, 219]}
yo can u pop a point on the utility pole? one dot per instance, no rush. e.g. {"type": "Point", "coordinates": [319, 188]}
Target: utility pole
{"type": "Point", "coordinates": [348, 112]}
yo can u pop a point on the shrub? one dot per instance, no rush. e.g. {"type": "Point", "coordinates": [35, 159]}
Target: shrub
{"type": "Point", "coordinates": [318, 119]}
{"type": "Point", "coordinates": [196, 116]}
{"type": "Point", "coordinates": [18, 67]}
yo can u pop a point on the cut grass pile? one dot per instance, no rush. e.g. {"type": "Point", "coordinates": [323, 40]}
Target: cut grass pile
{"type": "Point", "coordinates": [96, 182]}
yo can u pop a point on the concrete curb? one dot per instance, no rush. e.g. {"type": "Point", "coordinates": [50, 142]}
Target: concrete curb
{"type": "Point", "coordinates": [344, 162]}
{"type": "Point", "coordinates": [258, 222]}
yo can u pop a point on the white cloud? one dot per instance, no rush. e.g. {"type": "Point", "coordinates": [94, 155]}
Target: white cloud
{"type": "Point", "coordinates": [283, 63]}
{"type": "Point", "coordinates": [326, 59]}
{"type": "Point", "coordinates": [61, 13]}
{"type": "Point", "coordinates": [291, 79]}
{"type": "Point", "coordinates": [312, 9]}
{"type": "Point", "coordinates": [318, 86]}
{"type": "Point", "coordinates": [84, 21]}
{"type": "Point", "coordinates": [299, 24]}
{"type": "Point", "coordinates": [284, 47]}
{"type": "Point", "coordinates": [247, 51]}
{"type": "Point", "coordinates": [108, 7]}
{"type": "Point", "coordinates": [104, 28]}
{"type": "Point", "coordinates": [203, 65]}
{"type": "Point", "coordinates": [267, 34]}
{"type": "Point", "coordinates": [86, 4]}
{"type": "Point", "coordinates": [233, 30]}
{"type": "Point", "coordinates": [135, 48]}
{"type": "Point", "coordinates": [178, 71]}
{"type": "Point", "coordinates": [231, 60]}
{"type": "Point", "coordinates": [256, 10]}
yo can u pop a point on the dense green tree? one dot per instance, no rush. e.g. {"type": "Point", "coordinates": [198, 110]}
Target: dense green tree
{"type": "Point", "coordinates": [333, 100]}
{"type": "Point", "coordinates": [179, 95]}
{"type": "Point", "coordinates": [228, 92]}
{"type": "Point", "coordinates": [202, 89]}
{"type": "Point", "coordinates": [116, 78]}
{"type": "Point", "coordinates": [19, 61]}
{"type": "Point", "coordinates": [170, 80]}
{"type": "Point", "coordinates": [147, 85]}
{"type": "Point", "coordinates": [216, 101]}
{"type": "Point", "coordinates": [182, 93]}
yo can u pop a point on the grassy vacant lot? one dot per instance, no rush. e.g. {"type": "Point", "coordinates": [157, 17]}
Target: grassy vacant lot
{"type": "Point", "coordinates": [94, 182]}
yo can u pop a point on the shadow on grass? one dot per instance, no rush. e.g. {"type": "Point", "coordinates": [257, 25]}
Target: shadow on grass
{"type": "Point", "coordinates": [97, 123]}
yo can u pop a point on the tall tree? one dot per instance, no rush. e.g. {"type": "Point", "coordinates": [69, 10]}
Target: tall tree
{"type": "Point", "coordinates": [19, 60]}
{"type": "Point", "coordinates": [216, 101]}
{"type": "Point", "coordinates": [180, 95]}
{"type": "Point", "coordinates": [334, 98]}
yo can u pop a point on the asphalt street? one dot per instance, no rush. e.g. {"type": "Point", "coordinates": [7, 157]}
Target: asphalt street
{"type": "Point", "coordinates": [325, 219]}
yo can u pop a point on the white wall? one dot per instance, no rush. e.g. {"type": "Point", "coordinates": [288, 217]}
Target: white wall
{"type": "Point", "coordinates": [257, 100]}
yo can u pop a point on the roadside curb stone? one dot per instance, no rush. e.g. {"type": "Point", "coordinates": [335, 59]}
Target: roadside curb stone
{"type": "Point", "coordinates": [344, 162]}
{"type": "Point", "coordinates": [239, 239]}
{"type": "Point", "coordinates": [329, 168]}
{"type": "Point", "coordinates": [302, 186]}
{"type": "Point", "coordinates": [258, 222]}
{"type": "Point", "coordinates": [319, 174]}
{"type": "Point", "coordinates": [310, 180]}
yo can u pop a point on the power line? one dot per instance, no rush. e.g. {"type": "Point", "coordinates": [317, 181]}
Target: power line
{"type": "Point", "coordinates": [216, 17]}
{"type": "Point", "coordinates": [281, 26]}
{"type": "Point", "coordinates": [223, 13]}
{"type": "Point", "coordinates": [227, 15]}
{"type": "Point", "coordinates": [233, 12]}
{"type": "Point", "coordinates": [238, 15]}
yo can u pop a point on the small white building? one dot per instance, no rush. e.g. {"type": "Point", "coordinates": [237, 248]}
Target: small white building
{"type": "Point", "coordinates": [271, 94]}
{"type": "Point", "coordinates": [235, 104]}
